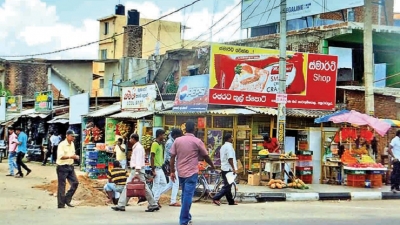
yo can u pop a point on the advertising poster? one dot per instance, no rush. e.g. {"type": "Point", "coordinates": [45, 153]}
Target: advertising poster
{"type": "Point", "coordinates": [192, 94]}
{"type": "Point", "coordinates": [14, 104]}
{"type": "Point", "coordinates": [139, 97]}
{"type": "Point", "coordinates": [43, 101]}
{"type": "Point", "coordinates": [250, 77]}
{"type": "Point", "coordinates": [111, 126]}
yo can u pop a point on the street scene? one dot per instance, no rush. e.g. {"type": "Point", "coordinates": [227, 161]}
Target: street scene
{"type": "Point", "coordinates": [199, 112]}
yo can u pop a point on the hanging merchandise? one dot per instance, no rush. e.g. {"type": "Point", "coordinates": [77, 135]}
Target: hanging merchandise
{"type": "Point", "coordinates": [336, 139]}
{"type": "Point", "coordinates": [41, 128]}
{"type": "Point", "coordinates": [366, 134]}
{"type": "Point", "coordinates": [29, 124]}
{"type": "Point", "coordinates": [347, 158]}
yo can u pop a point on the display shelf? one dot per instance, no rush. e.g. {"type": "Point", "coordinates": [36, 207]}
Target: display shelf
{"type": "Point", "coordinates": [249, 153]}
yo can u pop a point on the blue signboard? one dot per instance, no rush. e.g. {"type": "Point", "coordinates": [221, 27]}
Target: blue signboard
{"type": "Point", "coordinates": [192, 94]}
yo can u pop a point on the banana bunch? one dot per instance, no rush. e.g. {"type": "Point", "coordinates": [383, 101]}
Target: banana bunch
{"type": "Point", "coordinates": [147, 140]}
{"type": "Point", "coordinates": [124, 129]}
{"type": "Point", "coordinates": [263, 152]}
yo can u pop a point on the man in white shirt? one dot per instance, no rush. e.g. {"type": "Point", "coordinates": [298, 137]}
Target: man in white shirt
{"type": "Point", "coordinates": [228, 164]}
{"type": "Point", "coordinates": [137, 165]}
{"type": "Point", "coordinates": [394, 151]}
{"type": "Point", "coordinates": [55, 140]}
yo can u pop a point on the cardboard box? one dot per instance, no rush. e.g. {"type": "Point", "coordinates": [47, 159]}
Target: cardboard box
{"type": "Point", "coordinates": [253, 180]}
{"type": "Point", "coordinates": [264, 177]}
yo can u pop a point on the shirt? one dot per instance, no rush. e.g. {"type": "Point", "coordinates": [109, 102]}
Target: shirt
{"type": "Point", "coordinates": [158, 150]}
{"type": "Point", "coordinates": [55, 140]}
{"type": "Point", "coordinates": [168, 145]}
{"type": "Point", "coordinates": [227, 152]}
{"type": "Point", "coordinates": [118, 176]}
{"type": "Point", "coordinates": [12, 147]}
{"type": "Point", "coordinates": [119, 154]}
{"type": "Point", "coordinates": [395, 143]}
{"type": "Point", "coordinates": [271, 146]}
{"type": "Point", "coordinates": [137, 157]}
{"type": "Point", "coordinates": [65, 149]}
{"type": "Point", "coordinates": [187, 150]}
{"type": "Point", "coordinates": [23, 140]}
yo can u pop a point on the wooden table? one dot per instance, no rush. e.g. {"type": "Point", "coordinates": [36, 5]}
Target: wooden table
{"type": "Point", "coordinates": [280, 162]}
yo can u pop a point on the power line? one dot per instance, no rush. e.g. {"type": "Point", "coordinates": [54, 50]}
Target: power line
{"type": "Point", "coordinates": [104, 39]}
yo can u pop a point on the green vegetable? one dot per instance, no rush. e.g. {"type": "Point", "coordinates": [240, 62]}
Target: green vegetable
{"type": "Point", "coordinates": [238, 69]}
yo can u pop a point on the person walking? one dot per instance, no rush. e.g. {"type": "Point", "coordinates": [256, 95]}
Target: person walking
{"type": "Point", "coordinates": [47, 150]}
{"type": "Point", "coordinates": [22, 149]}
{"type": "Point", "coordinates": [175, 133]}
{"type": "Point", "coordinates": [55, 140]}
{"type": "Point", "coordinates": [65, 170]}
{"type": "Point", "coordinates": [156, 162]}
{"type": "Point", "coordinates": [120, 153]}
{"type": "Point", "coordinates": [12, 151]}
{"type": "Point", "coordinates": [186, 151]}
{"type": "Point", "coordinates": [138, 171]}
{"type": "Point", "coordinates": [394, 151]}
{"type": "Point", "coordinates": [228, 164]}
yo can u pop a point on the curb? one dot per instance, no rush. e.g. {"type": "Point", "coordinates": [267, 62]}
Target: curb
{"type": "Point", "coordinates": [312, 196]}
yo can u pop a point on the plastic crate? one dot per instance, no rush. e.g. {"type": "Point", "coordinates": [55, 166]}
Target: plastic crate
{"type": "Point", "coordinates": [354, 172]}
{"type": "Point", "coordinates": [307, 179]}
{"type": "Point", "coordinates": [102, 171]}
{"type": "Point", "coordinates": [376, 183]}
{"type": "Point", "coordinates": [91, 155]}
{"type": "Point", "coordinates": [101, 166]}
{"type": "Point", "coordinates": [304, 157]}
{"type": "Point", "coordinates": [91, 163]}
{"type": "Point", "coordinates": [101, 161]}
{"type": "Point", "coordinates": [91, 170]}
{"type": "Point", "coordinates": [359, 184]}
{"type": "Point", "coordinates": [304, 163]}
{"type": "Point", "coordinates": [102, 177]}
{"type": "Point", "coordinates": [356, 177]}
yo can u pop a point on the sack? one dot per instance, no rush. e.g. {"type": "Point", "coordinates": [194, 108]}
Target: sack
{"type": "Point", "coordinates": [239, 166]}
{"type": "Point", "coordinates": [166, 168]}
{"type": "Point", "coordinates": [135, 188]}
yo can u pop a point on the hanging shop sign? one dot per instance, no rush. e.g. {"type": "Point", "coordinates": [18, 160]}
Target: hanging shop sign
{"type": "Point", "coordinates": [139, 97]}
{"type": "Point", "coordinates": [250, 77]}
{"type": "Point", "coordinates": [192, 94]}
{"type": "Point", "coordinates": [115, 129]}
{"type": "Point", "coordinates": [43, 101]}
{"type": "Point", "coordinates": [14, 104]}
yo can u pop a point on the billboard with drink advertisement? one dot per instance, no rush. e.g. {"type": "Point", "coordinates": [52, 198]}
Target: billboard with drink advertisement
{"type": "Point", "coordinates": [192, 94]}
{"type": "Point", "coordinates": [250, 77]}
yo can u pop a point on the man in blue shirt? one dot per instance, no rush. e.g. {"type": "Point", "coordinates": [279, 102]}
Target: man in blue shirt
{"type": "Point", "coordinates": [22, 149]}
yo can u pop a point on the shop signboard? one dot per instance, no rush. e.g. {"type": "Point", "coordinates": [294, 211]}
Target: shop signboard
{"type": "Point", "coordinates": [43, 101]}
{"type": "Point", "coordinates": [260, 12]}
{"type": "Point", "coordinates": [248, 76]}
{"type": "Point", "coordinates": [78, 106]}
{"type": "Point", "coordinates": [192, 94]}
{"type": "Point", "coordinates": [110, 128]}
{"type": "Point", "coordinates": [141, 97]}
{"type": "Point", "coordinates": [14, 104]}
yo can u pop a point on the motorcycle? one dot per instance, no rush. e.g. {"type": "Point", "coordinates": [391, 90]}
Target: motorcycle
{"type": "Point", "coordinates": [3, 150]}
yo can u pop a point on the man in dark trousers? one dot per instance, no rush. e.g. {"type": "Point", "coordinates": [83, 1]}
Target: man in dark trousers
{"type": "Point", "coordinates": [65, 170]}
{"type": "Point", "coordinates": [47, 149]}
{"type": "Point", "coordinates": [22, 149]}
{"type": "Point", "coordinates": [228, 164]}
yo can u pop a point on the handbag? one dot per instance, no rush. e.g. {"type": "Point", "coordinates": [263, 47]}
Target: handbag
{"type": "Point", "coordinates": [135, 188]}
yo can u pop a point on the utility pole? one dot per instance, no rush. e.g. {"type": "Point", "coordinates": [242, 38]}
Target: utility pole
{"type": "Point", "coordinates": [368, 60]}
{"type": "Point", "coordinates": [281, 129]}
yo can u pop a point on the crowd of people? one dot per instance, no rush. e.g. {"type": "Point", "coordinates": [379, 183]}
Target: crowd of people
{"type": "Point", "coordinates": [17, 148]}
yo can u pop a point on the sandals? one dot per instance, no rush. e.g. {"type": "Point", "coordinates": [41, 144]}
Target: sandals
{"type": "Point", "coordinates": [218, 203]}
{"type": "Point", "coordinates": [175, 204]}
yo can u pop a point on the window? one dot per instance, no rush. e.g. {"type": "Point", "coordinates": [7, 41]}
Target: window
{"type": "Point", "coordinates": [103, 54]}
{"type": "Point", "coordinates": [101, 83]}
{"type": "Point", "coordinates": [106, 26]}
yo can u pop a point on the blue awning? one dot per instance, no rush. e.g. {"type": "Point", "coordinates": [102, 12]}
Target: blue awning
{"type": "Point", "coordinates": [326, 118]}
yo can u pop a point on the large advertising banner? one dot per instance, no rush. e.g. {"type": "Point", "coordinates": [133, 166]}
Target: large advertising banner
{"type": "Point", "coordinates": [192, 94]}
{"type": "Point", "coordinates": [250, 77]}
{"type": "Point", "coordinates": [139, 97]}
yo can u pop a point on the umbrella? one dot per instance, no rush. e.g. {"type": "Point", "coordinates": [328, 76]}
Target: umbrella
{"type": "Point", "coordinates": [393, 123]}
{"type": "Point", "coordinates": [357, 118]}
{"type": "Point", "coordinates": [326, 118]}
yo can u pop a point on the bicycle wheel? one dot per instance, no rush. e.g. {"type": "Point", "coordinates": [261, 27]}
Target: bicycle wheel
{"type": "Point", "coordinates": [221, 184]}
{"type": "Point", "coordinates": [200, 190]}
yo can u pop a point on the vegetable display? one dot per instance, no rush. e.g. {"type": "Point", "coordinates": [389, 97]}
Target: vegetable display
{"type": "Point", "coordinates": [276, 184]}
{"type": "Point", "coordinates": [298, 184]}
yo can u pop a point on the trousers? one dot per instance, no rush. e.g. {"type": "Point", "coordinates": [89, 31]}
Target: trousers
{"type": "Point", "coordinates": [66, 172]}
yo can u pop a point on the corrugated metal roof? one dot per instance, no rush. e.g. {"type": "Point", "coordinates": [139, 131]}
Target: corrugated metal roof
{"type": "Point", "coordinates": [41, 115]}
{"type": "Point", "coordinates": [228, 111]}
{"type": "Point", "coordinates": [63, 121]}
{"type": "Point", "coordinates": [167, 105]}
{"type": "Point", "coordinates": [131, 114]}
{"type": "Point", "coordinates": [387, 91]}
{"type": "Point", "coordinates": [264, 110]}
{"type": "Point", "coordinates": [108, 110]}
{"type": "Point", "coordinates": [291, 112]}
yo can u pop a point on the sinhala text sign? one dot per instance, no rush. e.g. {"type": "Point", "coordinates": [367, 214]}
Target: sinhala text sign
{"type": "Point", "coordinates": [43, 101]}
{"type": "Point", "coordinates": [139, 97]}
{"type": "Point", "coordinates": [250, 77]}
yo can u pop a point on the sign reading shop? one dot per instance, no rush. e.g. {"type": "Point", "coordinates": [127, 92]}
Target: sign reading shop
{"type": "Point", "coordinates": [139, 97]}
{"type": "Point", "coordinates": [43, 101]}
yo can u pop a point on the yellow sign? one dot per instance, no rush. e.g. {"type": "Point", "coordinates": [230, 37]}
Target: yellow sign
{"type": "Point", "coordinates": [281, 131]}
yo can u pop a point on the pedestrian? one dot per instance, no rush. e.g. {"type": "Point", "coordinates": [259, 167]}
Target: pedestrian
{"type": "Point", "coordinates": [55, 140]}
{"type": "Point", "coordinates": [187, 150]}
{"type": "Point", "coordinates": [120, 153]}
{"type": "Point", "coordinates": [156, 162]}
{"type": "Point", "coordinates": [138, 171]}
{"type": "Point", "coordinates": [228, 164]}
{"type": "Point", "coordinates": [22, 149]}
{"type": "Point", "coordinates": [65, 170]}
{"type": "Point", "coordinates": [12, 151]}
{"type": "Point", "coordinates": [394, 151]}
{"type": "Point", "coordinates": [47, 150]}
{"type": "Point", "coordinates": [116, 182]}
{"type": "Point", "coordinates": [273, 146]}
{"type": "Point", "coordinates": [175, 133]}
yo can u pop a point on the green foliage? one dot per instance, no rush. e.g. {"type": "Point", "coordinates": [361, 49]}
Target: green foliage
{"type": "Point", "coordinates": [172, 87]}
{"type": "Point", "coordinates": [3, 91]}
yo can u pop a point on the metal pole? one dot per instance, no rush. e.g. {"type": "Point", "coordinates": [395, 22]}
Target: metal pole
{"type": "Point", "coordinates": [368, 59]}
{"type": "Point", "coordinates": [281, 128]}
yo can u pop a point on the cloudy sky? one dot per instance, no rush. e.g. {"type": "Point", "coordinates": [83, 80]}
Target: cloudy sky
{"type": "Point", "coordinates": [35, 26]}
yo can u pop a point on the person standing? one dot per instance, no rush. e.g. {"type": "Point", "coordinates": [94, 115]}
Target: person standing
{"type": "Point", "coordinates": [156, 162]}
{"type": "Point", "coordinates": [228, 164]}
{"type": "Point", "coordinates": [187, 150]}
{"type": "Point", "coordinates": [65, 170]}
{"type": "Point", "coordinates": [120, 153]}
{"type": "Point", "coordinates": [175, 133]}
{"type": "Point", "coordinates": [22, 149]}
{"type": "Point", "coordinates": [272, 145]}
{"type": "Point", "coordinates": [47, 151]}
{"type": "Point", "coordinates": [12, 151]}
{"type": "Point", "coordinates": [394, 151]}
{"type": "Point", "coordinates": [138, 171]}
{"type": "Point", "coordinates": [55, 140]}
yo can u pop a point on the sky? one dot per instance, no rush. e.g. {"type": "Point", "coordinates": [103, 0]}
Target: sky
{"type": "Point", "coordinates": [37, 26]}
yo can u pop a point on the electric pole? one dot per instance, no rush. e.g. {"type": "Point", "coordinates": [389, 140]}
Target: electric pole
{"type": "Point", "coordinates": [281, 129]}
{"type": "Point", "coordinates": [368, 60]}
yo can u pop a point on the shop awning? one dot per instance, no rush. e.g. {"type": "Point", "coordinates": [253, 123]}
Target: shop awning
{"type": "Point", "coordinates": [64, 119]}
{"type": "Point", "coordinates": [36, 115]}
{"type": "Point", "coordinates": [131, 115]}
{"type": "Point", "coordinates": [108, 110]}
{"type": "Point", "coordinates": [291, 112]}
{"type": "Point", "coordinates": [228, 111]}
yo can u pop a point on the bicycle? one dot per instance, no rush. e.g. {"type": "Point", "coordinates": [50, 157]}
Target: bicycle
{"type": "Point", "coordinates": [203, 188]}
